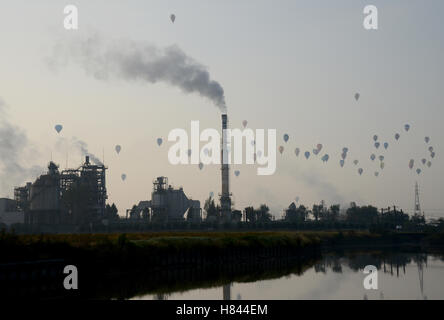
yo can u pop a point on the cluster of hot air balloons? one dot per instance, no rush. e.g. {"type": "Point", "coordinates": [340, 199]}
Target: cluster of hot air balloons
{"type": "Point", "coordinates": [373, 156]}
{"type": "Point", "coordinates": [307, 154]}
{"type": "Point", "coordinates": [325, 157]}
{"type": "Point", "coordinates": [424, 161]}
{"type": "Point", "coordinates": [343, 156]}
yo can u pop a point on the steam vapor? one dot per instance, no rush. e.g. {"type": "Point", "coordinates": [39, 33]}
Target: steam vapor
{"type": "Point", "coordinates": [83, 147]}
{"type": "Point", "coordinates": [12, 142]}
{"type": "Point", "coordinates": [134, 61]}
{"type": "Point", "coordinates": [79, 145]}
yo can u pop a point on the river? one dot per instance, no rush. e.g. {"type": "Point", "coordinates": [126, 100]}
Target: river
{"type": "Point", "coordinates": [334, 276]}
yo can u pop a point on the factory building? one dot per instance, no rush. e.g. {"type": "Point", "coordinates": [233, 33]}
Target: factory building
{"type": "Point", "coordinates": [9, 213]}
{"type": "Point", "coordinates": [166, 205]}
{"type": "Point", "coordinates": [71, 197]}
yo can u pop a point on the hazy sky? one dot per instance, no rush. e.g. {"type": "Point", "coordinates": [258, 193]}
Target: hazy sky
{"type": "Point", "coordinates": [289, 65]}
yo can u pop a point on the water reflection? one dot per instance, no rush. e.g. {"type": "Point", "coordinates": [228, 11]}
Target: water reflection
{"type": "Point", "coordinates": [336, 275]}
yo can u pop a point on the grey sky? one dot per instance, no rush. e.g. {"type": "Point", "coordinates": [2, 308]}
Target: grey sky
{"type": "Point", "coordinates": [290, 65]}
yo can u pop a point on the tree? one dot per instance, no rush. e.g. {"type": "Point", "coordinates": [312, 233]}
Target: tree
{"type": "Point", "coordinates": [334, 212]}
{"type": "Point", "coordinates": [264, 213]}
{"type": "Point", "coordinates": [295, 214]}
{"type": "Point", "coordinates": [365, 215]}
{"type": "Point", "coordinates": [316, 211]}
{"type": "Point", "coordinates": [111, 212]}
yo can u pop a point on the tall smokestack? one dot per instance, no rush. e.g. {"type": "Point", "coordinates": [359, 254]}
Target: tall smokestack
{"type": "Point", "coordinates": [225, 200]}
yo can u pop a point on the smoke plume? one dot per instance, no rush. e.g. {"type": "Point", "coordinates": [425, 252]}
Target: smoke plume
{"type": "Point", "coordinates": [80, 146]}
{"type": "Point", "coordinates": [83, 147]}
{"type": "Point", "coordinates": [133, 61]}
{"type": "Point", "coordinates": [13, 141]}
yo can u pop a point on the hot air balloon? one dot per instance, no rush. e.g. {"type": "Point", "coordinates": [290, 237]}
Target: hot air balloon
{"type": "Point", "coordinates": [281, 149]}
{"type": "Point", "coordinates": [123, 177]}
{"type": "Point", "coordinates": [411, 163]}
{"type": "Point", "coordinates": [382, 165]}
{"type": "Point", "coordinates": [173, 18]}
{"type": "Point", "coordinates": [431, 149]}
{"type": "Point", "coordinates": [118, 148]}
{"type": "Point", "coordinates": [375, 138]}
{"type": "Point", "coordinates": [432, 154]}
{"type": "Point", "coordinates": [397, 136]}
{"type": "Point", "coordinates": [360, 171]}
{"type": "Point", "coordinates": [237, 173]}
{"type": "Point", "coordinates": [345, 149]}
{"type": "Point", "coordinates": [201, 165]}
{"type": "Point", "coordinates": [286, 137]}
{"type": "Point", "coordinates": [407, 127]}
{"type": "Point", "coordinates": [427, 139]}
{"type": "Point", "coordinates": [244, 123]}
{"type": "Point", "coordinates": [297, 199]}
{"type": "Point", "coordinates": [325, 157]}
{"type": "Point", "coordinates": [319, 146]}
{"type": "Point", "coordinates": [356, 162]}
{"type": "Point", "coordinates": [58, 128]}
{"type": "Point", "coordinates": [423, 161]}
{"type": "Point", "coordinates": [372, 157]}
{"type": "Point", "coordinates": [315, 152]}
{"type": "Point", "coordinates": [386, 145]}
{"type": "Point", "coordinates": [307, 154]}
{"type": "Point", "coordinates": [376, 173]}
{"type": "Point", "coordinates": [381, 158]}
{"type": "Point", "coordinates": [341, 163]}
{"type": "Point", "coordinates": [357, 95]}
{"type": "Point", "coordinates": [189, 152]}
{"type": "Point", "coordinates": [429, 164]}
{"type": "Point", "coordinates": [296, 151]}
{"type": "Point", "coordinates": [418, 171]}
{"type": "Point", "coordinates": [344, 155]}
{"type": "Point", "coordinates": [159, 141]}
{"type": "Point", "coordinates": [211, 194]}
{"type": "Point", "coordinates": [377, 144]}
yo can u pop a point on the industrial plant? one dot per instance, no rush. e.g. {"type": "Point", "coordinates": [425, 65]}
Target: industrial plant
{"type": "Point", "coordinates": [172, 205]}
{"type": "Point", "coordinates": [75, 199]}
{"type": "Point", "coordinates": [166, 205]}
{"type": "Point", "coordinates": [72, 197]}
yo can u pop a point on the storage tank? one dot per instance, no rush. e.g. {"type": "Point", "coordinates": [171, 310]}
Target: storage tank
{"type": "Point", "coordinates": [167, 203]}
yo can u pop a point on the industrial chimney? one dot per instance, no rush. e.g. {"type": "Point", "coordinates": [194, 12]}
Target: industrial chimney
{"type": "Point", "coordinates": [225, 199]}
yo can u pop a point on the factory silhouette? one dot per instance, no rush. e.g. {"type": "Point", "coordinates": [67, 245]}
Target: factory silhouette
{"type": "Point", "coordinates": [75, 200]}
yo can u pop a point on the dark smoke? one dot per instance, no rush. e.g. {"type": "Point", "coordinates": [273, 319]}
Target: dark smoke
{"type": "Point", "coordinates": [133, 61]}
{"type": "Point", "coordinates": [13, 141]}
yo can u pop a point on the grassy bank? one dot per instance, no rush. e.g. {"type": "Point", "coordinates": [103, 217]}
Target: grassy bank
{"type": "Point", "coordinates": [148, 245]}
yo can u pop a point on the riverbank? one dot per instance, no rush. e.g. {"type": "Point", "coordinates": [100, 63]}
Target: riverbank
{"type": "Point", "coordinates": [160, 248]}
{"type": "Point", "coordinates": [144, 259]}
